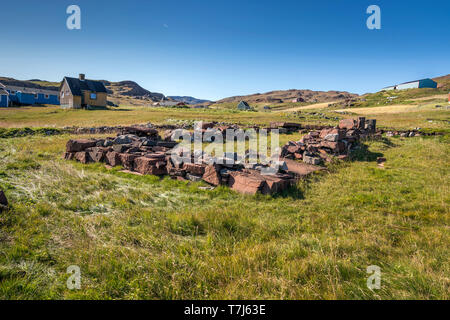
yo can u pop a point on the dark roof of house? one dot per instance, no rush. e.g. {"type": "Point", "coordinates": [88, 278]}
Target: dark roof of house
{"type": "Point", "coordinates": [77, 86]}
{"type": "Point", "coordinates": [245, 103]}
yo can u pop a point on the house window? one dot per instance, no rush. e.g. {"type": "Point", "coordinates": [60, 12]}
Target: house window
{"type": "Point", "coordinates": [13, 92]}
{"type": "Point", "coordinates": [36, 96]}
{"type": "Point", "coordinates": [62, 94]}
{"type": "Point", "coordinates": [46, 96]}
{"type": "Point", "coordinates": [93, 96]}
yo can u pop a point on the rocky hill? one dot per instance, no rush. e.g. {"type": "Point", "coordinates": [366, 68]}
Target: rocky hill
{"type": "Point", "coordinates": [283, 96]}
{"type": "Point", "coordinates": [189, 100]}
{"type": "Point", "coordinates": [131, 89]}
{"type": "Point", "coordinates": [443, 82]}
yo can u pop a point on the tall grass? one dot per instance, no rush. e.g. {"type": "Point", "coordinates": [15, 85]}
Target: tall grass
{"type": "Point", "coordinates": [140, 237]}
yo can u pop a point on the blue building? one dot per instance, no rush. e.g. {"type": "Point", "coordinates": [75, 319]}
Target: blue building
{"type": "Point", "coordinates": [4, 98]}
{"type": "Point", "coordinates": [423, 83]}
{"type": "Point", "coordinates": [26, 93]}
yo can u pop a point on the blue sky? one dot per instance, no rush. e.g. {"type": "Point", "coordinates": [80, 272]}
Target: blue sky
{"type": "Point", "coordinates": [220, 48]}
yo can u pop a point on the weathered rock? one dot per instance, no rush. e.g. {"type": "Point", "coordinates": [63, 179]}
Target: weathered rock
{"type": "Point", "coordinates": [140, 131]}
{"type": "Point", "coordinates": [79, 145]}
{"type": "Point", "coordinates": [97, 154]}
{"type": "Point", "coordinates": [122, 139]}
{"type": "Point", "coordinates": [108, 143]}
{"type": "Point", "coordinates": [300, 168]}
{"type": "Point", "coordinates": [83, 157]}
{"type": "Point", "coordinates": [276, 183]}
{"type": "Point", "coordinates": [311, 160]}
{"type": "Point", "coordinates": [370, 125]}
{"type": "Point", "coordinates": [127, 160]}
{"type": "Point", "coordinates": [194, 178]}
{"type": "Point", "coordinates": [152, 166]}
{"type": "Point", "coordinates": [361, 122]}
{"type": "Point", "coordinates": [212, 175]}
{"type": "Point", "coordinates": [113, 159]}
{"type": "Point", "coordinates": [167, 144]}
{"type": "Point", "coordinates": [119, 148]}
{"type": "Point", "coordinates": [69, 156]}
{"type": "Point", "coordinates": [246, 183]}
{"type": "Point", "coordinates": [347, 124]}
{"type": "Point", "coordinates": [194, 168]}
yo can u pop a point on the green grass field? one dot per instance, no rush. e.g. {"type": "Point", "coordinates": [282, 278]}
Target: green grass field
{"type": "Point", "coordinates": [142, 237]}
{"type": "Point", "coordinates": [136, 237]}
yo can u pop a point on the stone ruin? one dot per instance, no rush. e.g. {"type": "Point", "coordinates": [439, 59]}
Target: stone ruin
{"type": "Point", "coordinates": [328, 143]}
{"type": "Point", "coordinates": [141, 150]}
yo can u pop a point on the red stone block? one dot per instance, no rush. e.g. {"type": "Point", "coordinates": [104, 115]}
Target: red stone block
{"type": "Point", "coordinates": [113, 158]}
{"type": "Point", "coordinates": [83, 157]}
{"type": "Point", "coordinates": [347, 124]}
{"type": "Point", "coordinates": [194, 168]}
{"type": "Point", "coordinates": [212, 175]}
{"type": "Point", "coordinates": [79, 145]}
{"type": "Point", "coordinates": [127, 160]}
{"type": "Point", "coordinates": [245, 182]}
{"type": "Point", "coordinates": [146, 165]}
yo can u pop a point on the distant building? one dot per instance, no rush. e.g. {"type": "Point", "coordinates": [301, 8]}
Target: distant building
{"type": "Point", "coordinates": [296, 100]}
{"type": "Point", "coordinates": [81, 93]}
{"type": "Point", "coordinates": [243, 106]}
{"type": "Point", "coordinates": [4, 98]}
{"type": "Point", "coordinates": [423, 83]}
{"type": "Point", "coordinates": [26, 93]}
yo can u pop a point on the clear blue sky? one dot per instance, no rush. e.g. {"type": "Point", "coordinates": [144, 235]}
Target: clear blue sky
{"type": "Point", "coordinates": [219, 48]}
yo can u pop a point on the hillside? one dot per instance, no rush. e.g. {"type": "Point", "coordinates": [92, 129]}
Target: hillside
{"type": "Point", "coordinates": [131, 89]}
{"type": "Point", "coordinates": [189, 100]}
{"type": "Point", "coordinates": [286, 96]}
{"type": "Point", "coordinates": [443, 82]}
{"type": "Point", "coordinates": [37, 84]}
{"type": "Point", "coordinates": [125, 92]}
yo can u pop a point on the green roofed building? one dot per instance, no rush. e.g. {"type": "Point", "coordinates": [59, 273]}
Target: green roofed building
{"type": "Point", "coordinates": [243, 106]}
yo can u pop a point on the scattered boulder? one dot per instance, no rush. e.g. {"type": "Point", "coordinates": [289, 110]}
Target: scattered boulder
{"type": "Point", "coordinates": [127, 160]}
{"type": "Point", "coordinates": [122, 139]}
{"type": "Point", "coordinates": [152, 166]}
{"type": "Point", "coordinates": [79, 145]}
{"type": "Point", "coordinates": [113, 159]}
{"type": "Point", "coordinates": [348, 124]}
{"type": "Point", "coordinates": [212, 174]}
{"type": "Point", "coordinates": [245, 183]}
{"type": "Point", "coordinates": [83, 157]}
{"type": "Point", "coordinates": [311, 160]}
{"type": "Point", "coordinates": [194, 168]}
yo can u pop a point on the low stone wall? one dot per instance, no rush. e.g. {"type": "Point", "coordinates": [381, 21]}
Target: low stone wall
{"type": "Point", "coordinates": [144, 152]}
{"type": "Point", "coordinates": [327, 143]}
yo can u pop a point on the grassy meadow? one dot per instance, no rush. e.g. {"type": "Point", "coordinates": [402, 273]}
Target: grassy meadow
{"type": "Point", "coordinates": [142, 237]}
{"type": "Point", "coordinates": [139, 237]}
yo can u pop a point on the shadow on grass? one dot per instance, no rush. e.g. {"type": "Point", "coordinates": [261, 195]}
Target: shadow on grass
{"type": "Point", "coordinates": [119, 109]}
{"type": "Point", "coordinates": [293, 192]}
{"type": "Point", "coordinates": [362, 153]}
